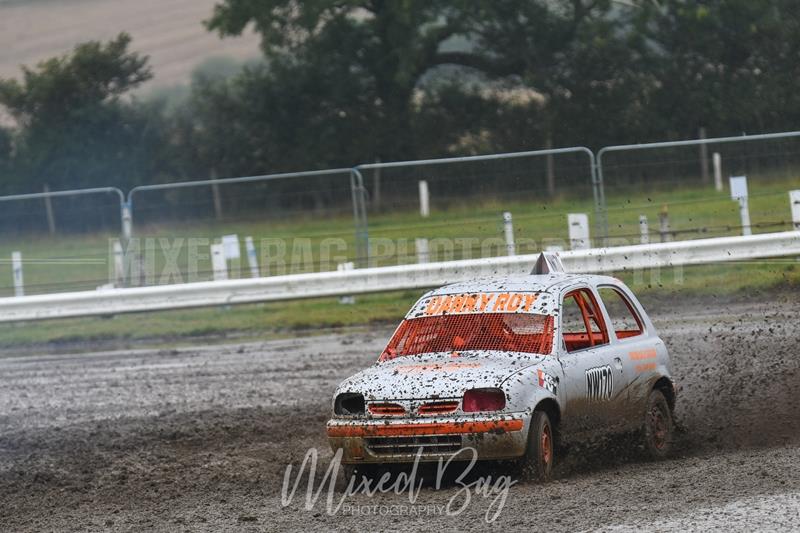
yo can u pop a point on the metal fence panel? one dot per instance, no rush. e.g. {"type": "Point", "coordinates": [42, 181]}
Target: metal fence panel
{"type": "Point", "coordinates": [63, 237]}
{"type": "Point", "coordinates": [458, 204]}
{"type": "Point", "coordinates": [683, 185]}
{"type": "Point", "coordinates": [419, 211]}
{"type": "Point", "coordinates": [291, 217]}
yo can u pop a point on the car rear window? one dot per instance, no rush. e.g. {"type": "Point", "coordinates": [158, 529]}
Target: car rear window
{"type": "Point", "coordinates": [511, 332]}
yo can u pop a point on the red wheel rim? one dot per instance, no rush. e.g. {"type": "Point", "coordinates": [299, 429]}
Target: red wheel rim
{"type": "Point", "coordinates": [546, 445]}
{"type": "Point", "coordinates": [658, 427]}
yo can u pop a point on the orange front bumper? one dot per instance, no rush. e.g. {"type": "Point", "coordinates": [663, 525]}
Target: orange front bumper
{"type": "Point", "coordinates": [500, 437]}
{"type": "Point", "coordinates": [426, 428]}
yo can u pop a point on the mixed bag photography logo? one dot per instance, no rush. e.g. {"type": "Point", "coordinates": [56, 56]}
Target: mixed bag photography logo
{"type": "Point", "coordinates": [336, 493]}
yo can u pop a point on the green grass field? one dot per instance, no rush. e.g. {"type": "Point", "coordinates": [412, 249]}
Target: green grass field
{"type": "Point", "coordinates": [470, 228]}
{"type": "Point", "coordinates": [536, 224]}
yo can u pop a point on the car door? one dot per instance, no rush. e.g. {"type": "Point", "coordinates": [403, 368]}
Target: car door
{"type": "Point", "coordinates": [633, 349]}
{"type": "Point", "coordinates": [588, 372]}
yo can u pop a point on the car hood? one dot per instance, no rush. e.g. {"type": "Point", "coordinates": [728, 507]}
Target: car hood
{"type": "Point", "coordinates": [439, 375]}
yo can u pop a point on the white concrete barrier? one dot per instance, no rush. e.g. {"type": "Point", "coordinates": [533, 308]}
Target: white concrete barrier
{"type": "Point", "coordinates": [383, 279]}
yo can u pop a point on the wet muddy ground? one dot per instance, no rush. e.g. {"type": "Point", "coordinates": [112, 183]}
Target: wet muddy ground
{"type": "Point", "coordinates": [199, 439]}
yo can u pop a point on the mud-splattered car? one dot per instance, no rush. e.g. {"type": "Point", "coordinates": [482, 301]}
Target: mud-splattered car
{"type": "Point", "coordinates": [513, 368]}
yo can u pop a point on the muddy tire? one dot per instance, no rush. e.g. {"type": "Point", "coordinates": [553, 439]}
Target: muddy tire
{"type": "Point", "coordinates": [540, 451]}
{"type": "Point", "coordinates": [658, 431]}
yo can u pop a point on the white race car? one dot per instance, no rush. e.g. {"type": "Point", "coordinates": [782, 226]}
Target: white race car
{"type": "Point", "coordinates": [510, 367]}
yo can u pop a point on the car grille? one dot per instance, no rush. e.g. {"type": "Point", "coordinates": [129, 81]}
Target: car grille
{"type": "Point", "coordinates": [438, 408]}
{"type": "Point", "coordinates": [386, 409]}
{"type": "Point", "coordinates": [430, 444]}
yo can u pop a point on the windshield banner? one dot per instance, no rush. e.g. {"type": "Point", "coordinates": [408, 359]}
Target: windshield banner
{"type": "Point", "coordinates": [482, 302]}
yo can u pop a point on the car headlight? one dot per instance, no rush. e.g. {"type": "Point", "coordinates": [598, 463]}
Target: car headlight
{"type": "Point", "coordinates": [349, 403]}
{"type": "Point", "coordinates": [476, 400]}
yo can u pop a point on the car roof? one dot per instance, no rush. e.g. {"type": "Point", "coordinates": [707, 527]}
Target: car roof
{"type": "Point", "coordinates": [500, 291]}
{"type": "Point", "coordinates": [550, 283]}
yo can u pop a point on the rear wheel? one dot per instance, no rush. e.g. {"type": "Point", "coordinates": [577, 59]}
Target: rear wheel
{"type": "Point", "coordinates": [540, 451]}
{"type": "Point", "coordinates": [659, 429]}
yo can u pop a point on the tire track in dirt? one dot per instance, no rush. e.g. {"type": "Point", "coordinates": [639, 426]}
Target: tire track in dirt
{"type": "Point", "coordinates": [200, 438]}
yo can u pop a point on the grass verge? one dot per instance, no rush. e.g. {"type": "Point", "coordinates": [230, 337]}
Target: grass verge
{"type": "Point", "coordinates": [464, 227]}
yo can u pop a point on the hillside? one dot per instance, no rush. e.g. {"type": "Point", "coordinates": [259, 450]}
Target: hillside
{"type": "Point", "coordinates": [169, 31]}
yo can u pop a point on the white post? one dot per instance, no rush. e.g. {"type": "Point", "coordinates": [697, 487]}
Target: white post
{"type": "Point", "coordinates": [231, 246]}
{"type": "Point", "coordinates": [218, 263]}
{"type": "Point", "coordinates": [508, 230]}
{"type": "Point", "coordinates": [119, 265]}
{"type": "Point", "coordinates": [16, 266]}
{"type": "Point", "coordinates": [794, 199]}
{"type": "Point", "coordinates": [644, 229]}
{"type": "Point", "coordinates": [663, 222]}
{"type": "Point", "coordinates": [127, 222]}
{"type": "Point", "coordinates": [344, 267]}
{"type": "Point", "coordinates": [717, 171]}
{"type": "Point", "coordinates": [424, 199]}
{"type": "Point", "coordinates": [744, 213]}
{"type": "Point", "coordinates": [252, 258]}
{"type": "Point", "coordinates": [578, 224]}
{"type": "Point", "coordinates": [233, 253]}
{"type": "Point", "coordinates": [423, 252]}
{"type": "Point", "coordinates": [739, 193]}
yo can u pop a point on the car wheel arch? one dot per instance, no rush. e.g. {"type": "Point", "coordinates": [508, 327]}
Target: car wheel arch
{"type": "Point", "coordinates": [667, 388]}
{"type": "Point", "coordinates": [553, 410]}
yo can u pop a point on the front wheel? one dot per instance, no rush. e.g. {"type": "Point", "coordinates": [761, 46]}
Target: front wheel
{"type": "Point", "coordinates": [540, 451]}
{"type": "Point", "coordinates": [658, 428]}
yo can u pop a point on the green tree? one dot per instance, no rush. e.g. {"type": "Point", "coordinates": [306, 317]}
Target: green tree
{"type": "Point", "coordinates": [581, 56]}
{"type": "Point", "coordinates": [282, 118]}
{"type": "Point", "coordinates": [477, 118]}
{"type": "Point", "coordinates": [390, 46]}
{"type": "Point", "coordinates": [5, 156]}
{"type": "Point", "coordinates": [723, 65]}
{"type": "Point", "coordinates": [428, 78]}
{"type": "Point", "coordinates": [74, 128]}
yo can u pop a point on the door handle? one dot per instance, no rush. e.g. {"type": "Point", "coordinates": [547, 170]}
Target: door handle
{"type": "Point", "coordinates": [618, 363]}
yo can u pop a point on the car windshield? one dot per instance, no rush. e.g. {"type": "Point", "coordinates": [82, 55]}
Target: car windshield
{"type": "Point", "coordinates": [510, 332]}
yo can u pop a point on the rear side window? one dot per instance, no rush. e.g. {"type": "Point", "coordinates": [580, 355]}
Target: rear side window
{"type": "Point", "coordinates": [624, 318]}
{"type": "Point", "coordinates": [571, 316]}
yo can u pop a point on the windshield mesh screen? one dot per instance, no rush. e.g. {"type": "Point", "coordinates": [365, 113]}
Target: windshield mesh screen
{"type": "Point", "coordinates": [512, 332]}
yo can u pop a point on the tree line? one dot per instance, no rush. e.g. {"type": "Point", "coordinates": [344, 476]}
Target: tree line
{"type": "Point", "coordinates": [349, 81]}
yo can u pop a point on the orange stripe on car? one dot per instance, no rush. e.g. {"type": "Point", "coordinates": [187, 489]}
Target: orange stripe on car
{"type": "Point", "coordinates": [434, 428]}
{"type": "Point", "coordinates": [643, 354]}
{"type": "Point", "coordinates": [645, 367]}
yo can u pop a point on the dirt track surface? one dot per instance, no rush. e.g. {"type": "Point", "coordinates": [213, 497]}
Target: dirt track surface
{"type": "Point", "coordinates": [199, 439]}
